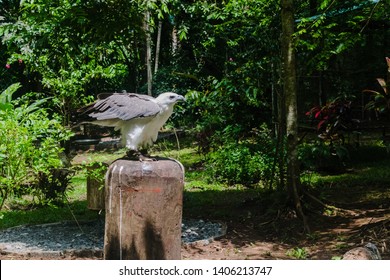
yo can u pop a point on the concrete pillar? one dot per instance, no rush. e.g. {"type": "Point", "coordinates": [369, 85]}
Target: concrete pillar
{"type": "Point", "coordinates": [143, 210]}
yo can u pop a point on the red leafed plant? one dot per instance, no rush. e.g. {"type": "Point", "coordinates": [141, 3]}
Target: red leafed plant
{"type": "Point", "coordinates": [332, 119]}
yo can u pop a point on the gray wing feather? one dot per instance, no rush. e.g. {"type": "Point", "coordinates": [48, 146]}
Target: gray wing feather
{"type": "Point", "coordinates": [125, 107]}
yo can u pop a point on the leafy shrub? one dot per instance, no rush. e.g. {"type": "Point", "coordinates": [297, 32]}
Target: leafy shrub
{"type": "Point", "coordinates": [225, 104]}
{"type": "Point", "coordinates": [321, 156]}
{"type": "Point", "coordinates": [29, 145]}
{"type": "Point", "coordinates": [380, 101]}
{"type": "Point", "coordinates": [247, 161]}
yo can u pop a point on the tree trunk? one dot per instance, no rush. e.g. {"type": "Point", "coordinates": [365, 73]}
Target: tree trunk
{"type": "Point", "coordinates": [148, 57]}
{"type": "Point", "coordinates": [175, 40]}
{"type": "Point", "coordinates": [158, 43]}
{"type": "Point", "coordinates": [290, 95]}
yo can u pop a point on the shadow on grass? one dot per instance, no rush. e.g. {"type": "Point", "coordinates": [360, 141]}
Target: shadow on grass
{"type": "Point", "coordinates": [365, 184]}
{"type": "Point", "coordinates": [216, 204]}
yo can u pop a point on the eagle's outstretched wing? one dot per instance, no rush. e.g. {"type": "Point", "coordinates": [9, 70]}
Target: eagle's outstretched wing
{"type": "Point", "coordinates": [122, 106]}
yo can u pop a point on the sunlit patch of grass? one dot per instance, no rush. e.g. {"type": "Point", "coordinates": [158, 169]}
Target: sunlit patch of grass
{"type": "Point", "coordinates": [367, 179]}
{"type": "Point", "coordinates": [48, 214]}
{"type": "Point", "coordinates": [368, 165]}
{"type": "Point", "coordinates": [79, 187]}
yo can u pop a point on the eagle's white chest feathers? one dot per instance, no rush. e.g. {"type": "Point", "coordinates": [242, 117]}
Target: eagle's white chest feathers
{"type": "Point", "coordinates": [143, 132]}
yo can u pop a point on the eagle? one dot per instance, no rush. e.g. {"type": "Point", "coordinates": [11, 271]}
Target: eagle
{"type": "Point", "coordinates": [139, 117]}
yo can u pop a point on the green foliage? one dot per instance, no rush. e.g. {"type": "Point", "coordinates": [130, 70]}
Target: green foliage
{"type": "Point", "coordinates": [246, 161]}
{"type": "Point", "coordinates": [321, 156]}
{"type": "Point", "coordinates": [331, 121]}
{"type": "Point", "coordinates": [236, 164]}
{"type": "Point", "coordinates": [329, 28]}
{"type": "Point", "coordinates": [63, 45]}
{"type": "Point", "coordinates": [297, 253]}
{"type": "Point", "coordinates": [227, 108]}
{"type": "Point", "coordinates": [226, 61]}
{"type": "Point", "coordinates": [96, 171]}
{"type": "Point", "coordinates": [228, 114]}
{"type": "Point", "coordinates": [234, 47]}
{"type": "Point", "coordinates": [370, 165]}
{"type": "Point", "coordinates": [29, 145]}
{"type": "Point", "coordinates": [51, 186]}
{"type": "Point", "coordinates": [380, 100]}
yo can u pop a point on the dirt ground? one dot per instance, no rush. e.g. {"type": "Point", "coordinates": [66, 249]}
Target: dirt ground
{"type": "Point", "coordinates": [330, 238]}
{"type": "Point", "coordinates": [280, 238]}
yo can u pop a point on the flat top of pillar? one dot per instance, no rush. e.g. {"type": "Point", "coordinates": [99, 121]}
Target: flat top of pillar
{"type": "Point", "coordinates": [156, 160]}
{"type": "Point", "coordinates": [161, 163]}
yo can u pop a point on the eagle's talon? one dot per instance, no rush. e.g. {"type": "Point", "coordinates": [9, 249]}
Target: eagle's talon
{"type": "Point", "coordinates": [139, 156]}
{"type": "Point", "coordinates": [132, 155]}
{"type": "Point", "coordinates": [146, 158]}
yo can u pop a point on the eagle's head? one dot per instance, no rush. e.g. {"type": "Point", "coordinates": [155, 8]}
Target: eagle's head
{"type": "Point", "coordinates": [168, 98]}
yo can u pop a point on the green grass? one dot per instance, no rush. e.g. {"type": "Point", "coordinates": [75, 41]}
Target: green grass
{"type": "Point", "coordinates": [366, 166]}
{"type": "Point", "coordinates": [79, 187]}
{"type": "Point", "coordinates": [377, 173]}
{"type": "Point", "coordinates": [368, 179]}
{"type": "Point", "coordinates": [75, 210]}
{"type": "Point", "coordinates": [23, 212]}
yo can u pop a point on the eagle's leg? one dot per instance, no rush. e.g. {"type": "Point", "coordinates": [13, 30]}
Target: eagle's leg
{"type": "Point", "coordinates": [132, 155]}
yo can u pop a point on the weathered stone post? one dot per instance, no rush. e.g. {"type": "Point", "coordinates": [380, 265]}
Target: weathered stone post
{"type": "Point", "coordinates": [143, 210]}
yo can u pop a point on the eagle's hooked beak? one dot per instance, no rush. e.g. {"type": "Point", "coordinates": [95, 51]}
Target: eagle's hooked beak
{"type": "Point", "coordinates": [181, 98]}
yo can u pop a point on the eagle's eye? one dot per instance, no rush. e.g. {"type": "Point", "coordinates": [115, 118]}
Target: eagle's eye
{"type": "Point", "coordinates": [172, 97]}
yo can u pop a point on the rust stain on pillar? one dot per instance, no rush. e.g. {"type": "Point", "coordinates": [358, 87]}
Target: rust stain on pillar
{"type": "Point", "coordinates": [143, 210]}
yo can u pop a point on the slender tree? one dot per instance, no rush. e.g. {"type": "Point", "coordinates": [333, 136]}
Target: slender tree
{"type": "Point", "coordinates": [290, 95]}
{"type": "Point", "coordinates": [148, 57]}
{"type": "Point", "coordinates": [158, 45]}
